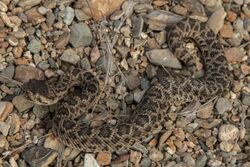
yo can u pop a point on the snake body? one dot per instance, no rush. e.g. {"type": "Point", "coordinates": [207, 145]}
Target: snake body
{"type": "Point", "coordinates": [76, 90]}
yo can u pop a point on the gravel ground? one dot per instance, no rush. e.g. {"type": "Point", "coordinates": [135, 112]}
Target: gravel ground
{"type": "Point", "coordinates": [123, 42]}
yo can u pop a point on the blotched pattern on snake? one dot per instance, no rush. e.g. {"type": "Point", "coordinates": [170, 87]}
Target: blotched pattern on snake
{"type": "Point", "coordinates": [74, 92]}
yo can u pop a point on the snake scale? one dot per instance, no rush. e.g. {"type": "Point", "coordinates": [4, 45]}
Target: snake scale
{"type": "Point", "coordinates": [74, 92]}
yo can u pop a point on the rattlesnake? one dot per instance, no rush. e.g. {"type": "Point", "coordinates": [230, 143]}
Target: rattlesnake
{"type": "Point", "coordinates": [74, 92]}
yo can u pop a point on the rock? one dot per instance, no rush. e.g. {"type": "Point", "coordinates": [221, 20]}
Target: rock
{"type": "Point", "coordinates": [145, 162]}
{"type": "Point", "coordinates": [216, 20]}
{"type": "Point", "coordinates": [24, 73]}
{"type": "Point", "coordinates": [3, 7]}
{"type": "Point", "coordinates": [50, 18]}
{"type": "Point", "coordinates": [80, 15]}
{"type": "Point", "coordinates": [188, 160]}
{"type": "Point", "coordinates": [80, 35]}
{"type": "Point", "coordinates": [179, 133]}
{"type": "Point", "coordinates": [70, 154]}
{"type": "Point", "coordinates": [231, 16]}
{"type": "Point", "coordinates": [132, 81]}
{"type": "Point", "coordinates": [95, 54]}
{"type": "Point", "coordinates": [228, 132]}
{"type": "Point", "coordinates": [138, 95]}
{"type": "Point", "coordinates": [69, 15]}
{"type": "Point", "coordinates": [28, 3]}
{"type": "Point", "coordinates": [161, 37]}
{"type": "Point", "coordinates": [135, 157]}
{"type": "Point", "coordinates": [39, 156]}
{"type": "Point", "coordinates": [103, 8]}
{"type": "Point", "coordinates": [245, 69]}
{"type": "Point", "coordinates": [34, 16]}
{"type": "Point", "coordinates": [159, 19]}
{"type": "Point", "coordinates": [138, 23]}
{"type": "Point", "coordinates": [223, 105]}
{"type": "Point", "coordinates": [4, 128]}
{"type": "Point", "coordinates": [205, 112]}
{"type": "Point", "coordinates": [70, 56]}
{"type": "Point", "coordinates": [3, 142]}
{"type": "Point", "coordinates": [5, 109]}
{"type": "Point", "coordinates": [210, 142]}
{"type": "Point", "coordinates": [53, 143]}
{"type": "Point", "coordinates": [226, 146]}
{"type": "Point", "coordinates": [15, 124]}
{"type": "Point", "coordinates": [8, 72]}
{"type": "Point", "coordinates": [140, 147]}
{"type": "Point", "coordinates": [122, 50]}
{"type": "Point", "coordinates": [234, 54]}
{"type": "Point", "coordinates": [35, 46]}
{"type": "Point", "coordinates": [226, 31]}
{"type": "Point", "coordinates": [208, 124]}
{"type": "Point", "coordinates": [40, 111]}
{"type": "Point", "coordinates": [103, 158]}
{"type": "Point", "coordinates": [163, 57]}
{"type": "Point", "coordinates": [21, 103]}
{"type": "Point", "coordinates": [246, 99]}
{"type": "Point", "coordinates": [155, 155]}
{"type": "Point", "coordinates": [201, 161]}
{"type": "Point", "coordinates": [90, 161]}
{"type": "Point", "coordinates": [85, 64]}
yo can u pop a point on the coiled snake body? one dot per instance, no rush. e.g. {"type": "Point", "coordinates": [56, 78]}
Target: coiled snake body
{"type": "Point", "coordinates": [76, 90]}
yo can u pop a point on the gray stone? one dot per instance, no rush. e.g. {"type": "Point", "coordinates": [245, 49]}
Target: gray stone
{"type": "Point", "coordinates": [39, 156]}
{"type": "Point", "coordinates": [69, 15]}
{"type": "Point", "coordinates": [81, 35]}
{"type": "Point", "coordinates": [43, 65]}
{"type": "Point", "coordinates": [50, 18]}
{"type": "Point", "coordinates": [201, 161]}
{"type": "Point", "coordinates": [189, 160]}
{"type": "Point", "coordinates": [140, 147]}
{"type": "Point", "coordinates": [70, 56]}
{"type": "Point", "coordinates": [159, 19]}
{"type": "Point", "coordinates": [132, 81]}
{"type": "Point", "coordinates": [85, 64]}
{"type": "Point", "coordinates": [145, 83]}
{"type": "Point", "coordinates": [223, 105]}
{"type": "Point", "coordinates": [145, 162]}
{"type": "Point", "coordinates": [163, 57]}
{"type": "Point", "coordinates": [40, 111]}
{"type": "Point", "coordinates": [246, 99]}
{"type": "Point", "coordinates": [137, 27]}
{"type": "Point", "coordinates": [35, 46]}
{"type": "Point", "coordinates": [80, 15]}
{"type": "Point", "coordinates": [7, 72]}
{"type": "Point", "coordinates": [138, 95]}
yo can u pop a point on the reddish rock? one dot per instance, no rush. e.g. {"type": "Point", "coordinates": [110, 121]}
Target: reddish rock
{"type": "Point", "coordinates": [63, 40]}
{"type": "Point", "coordinates": [5, 109]}
{"type": "Point", "coordinates": [103, 158]}
{"type": "Point", "coordinates": [231, 16]}
{"type": "Point", "coordinates": [226, 31]}
{"type": "Point", "coordinates": [233, 54]}
{"type": "Point", "coordinates": [25, 73]}
{"type": "Point", "coordinates": [102, 8]}
{"type": "Point", "coordinates": [34, 16]}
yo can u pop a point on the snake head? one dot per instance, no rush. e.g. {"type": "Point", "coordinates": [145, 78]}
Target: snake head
{"type": "Point", "coordinates": [39, 92]}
